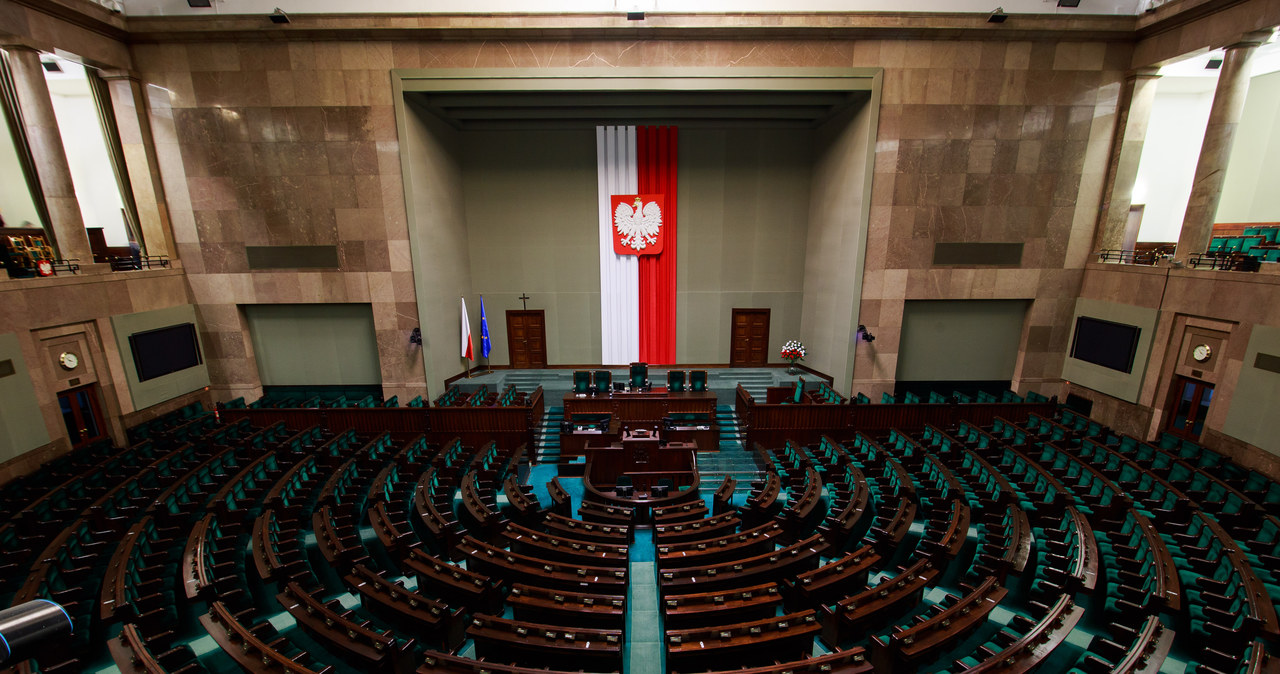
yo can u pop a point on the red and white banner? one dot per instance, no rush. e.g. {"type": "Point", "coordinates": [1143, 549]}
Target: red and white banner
{"type": "Point", "coordinates": [637, 243]}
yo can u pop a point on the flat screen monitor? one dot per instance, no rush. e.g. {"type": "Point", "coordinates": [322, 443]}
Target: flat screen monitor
{"type": "Point", "coordinates": [165, 350]}
{"type": "Point", "coordinates": [1110, 345]}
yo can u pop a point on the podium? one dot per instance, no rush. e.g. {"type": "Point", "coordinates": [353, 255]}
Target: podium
{"type": "Point", "coordinates": [644, 456]}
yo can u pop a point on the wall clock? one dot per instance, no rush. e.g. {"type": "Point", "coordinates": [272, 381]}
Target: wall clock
{"type": "Point", "coordinates": [68, 360]}
{"type": "Point", "coordinates": [1201, 352]}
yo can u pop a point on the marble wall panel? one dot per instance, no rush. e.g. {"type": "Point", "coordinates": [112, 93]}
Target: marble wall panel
{"type": "Point", "coordinates": [295, 144]}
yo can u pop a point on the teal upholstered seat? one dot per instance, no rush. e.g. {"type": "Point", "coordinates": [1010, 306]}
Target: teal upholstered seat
{"type": "Point", "coordinates": [581, 381]}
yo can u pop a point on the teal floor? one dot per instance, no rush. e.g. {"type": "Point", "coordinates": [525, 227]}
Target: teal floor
{"type": "Point", "coordinates": [645, 652]}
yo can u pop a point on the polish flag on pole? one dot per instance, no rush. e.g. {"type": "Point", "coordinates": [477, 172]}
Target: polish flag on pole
{"type": "Point", "coordinates": [466, 331]}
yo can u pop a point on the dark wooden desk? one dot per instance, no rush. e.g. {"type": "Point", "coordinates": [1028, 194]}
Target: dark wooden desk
{"type": "Point", "coordinates": [756, 602]}
{"type": "Point", "coordinates": [503, 640]}
{"type": "Point", "coordinates": [561, 607]}
{"type": "Point", "coordinates": [638, 452]}
{"type": "Point", "coordinates": [640, 409]}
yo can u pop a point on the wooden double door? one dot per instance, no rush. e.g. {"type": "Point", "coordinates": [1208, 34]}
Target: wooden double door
{"type": "Point", "coordinates": [82, 414]}
{"type": "Point", "coordinates": [749, 344]}
{"type": "Point", "coordinates": [527, 338]}
{"type": "Point", "coordinates": [1188, 407]}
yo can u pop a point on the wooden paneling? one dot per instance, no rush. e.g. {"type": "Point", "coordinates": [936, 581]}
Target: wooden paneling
{"type": "Point", "coordinates": [772, 425]}
{"type": "Point", "coordinates": [509, 427]}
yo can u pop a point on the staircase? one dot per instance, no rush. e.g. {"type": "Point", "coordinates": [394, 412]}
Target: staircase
{"type": "Point", "coordinates": [546, 436]}
{"type": "Point", "coordinates": [733, 459]}
{"type": "Point", "coordinates": [754, 381]}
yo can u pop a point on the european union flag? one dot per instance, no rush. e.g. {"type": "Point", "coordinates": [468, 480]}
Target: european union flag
{"type": "Point", "coordinates": [484, 330]}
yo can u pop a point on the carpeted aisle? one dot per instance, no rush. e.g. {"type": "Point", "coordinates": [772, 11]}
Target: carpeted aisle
{"type": "Point", "coordinates": [644, 628]}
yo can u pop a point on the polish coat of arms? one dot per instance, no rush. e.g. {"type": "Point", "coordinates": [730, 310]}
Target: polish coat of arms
{"type": "Point", "coordinates": [637, 224]}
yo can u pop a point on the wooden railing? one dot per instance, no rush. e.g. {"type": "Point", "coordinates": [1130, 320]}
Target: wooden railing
{"type": "Point", "coordinates": [773, 425]}
{"type": "Point", "coordinates": [509, 427]}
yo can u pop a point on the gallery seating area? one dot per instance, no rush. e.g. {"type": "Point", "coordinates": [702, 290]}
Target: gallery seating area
{"type": "Point", "coordinates": [1049, 542]}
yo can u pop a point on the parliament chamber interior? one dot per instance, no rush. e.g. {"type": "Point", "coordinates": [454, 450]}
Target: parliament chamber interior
{"type": "Point", "coordinates": [640, 337]}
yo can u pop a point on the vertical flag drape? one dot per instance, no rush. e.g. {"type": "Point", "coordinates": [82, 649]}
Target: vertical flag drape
{"type": "Point", "coordinates": [656, 164]}
{"type": "Point", "coordinates": [637, 293]}
{"type": "Point", "coordinates": [619, 274]}
{"type": "Point", "coordinates": [466, 331]}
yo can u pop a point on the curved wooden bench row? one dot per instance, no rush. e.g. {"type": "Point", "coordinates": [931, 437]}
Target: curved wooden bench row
{"type": "Point", "coordinates": [833, 579]}
{"type": "Point", "coordinates": [454, 584]}
{"type": "Point", "coordinates": [908, 648]}
{"type": "Point", "coordinates": [721, 607]}
{"type": "Point", "coordinates": [602, 533]}
{"type": "Point", "coordinates": [400, 606]}
{"type": "Point", "coordinates": [876, 605]}
{"type": "Point", "coordinates": [255, 647]}
{"type": "Point", "coordinates": [556, 548]}
{"type": "Point", "coordinates": [546, 645]}
{"type": "Point", "coordinates": [769, 567]}
{"type": "Point", "coordinates": [514, 567]}
{"type": "Point", "coordinates": [342, 630]}
{"type": "Point", "coordinates": [750, 542]}
{"type": "Point", "coordinates": [699, 530]}
{"type": "Point", "coordinates": [785, 637]}
{"type": "Point", "coordinates": [572, 609]}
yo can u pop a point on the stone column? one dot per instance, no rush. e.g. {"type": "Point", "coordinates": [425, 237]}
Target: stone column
{"type": "Point", "coordinates": [1215, 151]}
{"type": "Point", "coordinates": [50, 158]}
{"type": "Point", "coordinates": [1136, 100]}
{"type": "Point", "coordinates": [133, 123]}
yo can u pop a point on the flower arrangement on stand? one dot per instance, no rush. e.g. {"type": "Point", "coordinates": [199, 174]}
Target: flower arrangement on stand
{"type": "Point", "coordinates": [792, 351]}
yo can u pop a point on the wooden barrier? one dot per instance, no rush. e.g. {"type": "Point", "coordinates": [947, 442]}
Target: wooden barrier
{"type": "Point", "coordinates": [509, 427]}
{"type": "Point", "coordinates": [805, 423]}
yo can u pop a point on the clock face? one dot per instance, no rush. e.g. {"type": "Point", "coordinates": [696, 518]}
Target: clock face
{"type": "Point", "coordinates": [1201, 353]}
{"type": "Point", "coordinates": [68, 360]}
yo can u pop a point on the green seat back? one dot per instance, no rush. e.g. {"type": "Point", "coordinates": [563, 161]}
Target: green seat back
{"type": "Point", "coordinates": [639, 374]}
{"type": "Point", "coordinates": [698, 380]}
{"type": "Point", "coordinates": [602, 379]}
{"type": "Point", "coordinates": [675, 380]}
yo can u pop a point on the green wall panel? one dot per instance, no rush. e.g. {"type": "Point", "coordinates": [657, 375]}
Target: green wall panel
{"type": "Point", "coordinates": [960, 340]}
{"type": "Point", "coordinates": [155, 391]}
{"type": "Point", "coordinates": [314, 344]}
{"type": "Point", "coordinates": [22, 426]}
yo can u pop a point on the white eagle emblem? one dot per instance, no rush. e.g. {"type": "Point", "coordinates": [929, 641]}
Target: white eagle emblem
{"type": "Point", "coordinates": [639, 225]}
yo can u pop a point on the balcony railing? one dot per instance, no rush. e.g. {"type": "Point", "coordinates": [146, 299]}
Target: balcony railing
{"type": "Point", "coordinates": [1225, 261]}
{"type": "Point", "coordinates": [1143, 257]}
{"type": "Point", "coordinates": [134, 263]}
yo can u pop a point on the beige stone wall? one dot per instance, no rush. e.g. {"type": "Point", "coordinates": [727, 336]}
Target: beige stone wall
{"type": "Point", "coordinates": [73, 313]}
{"type": "Point", "coordinates": [285, 144]}
{"type": "Point", "coordinates": [1217, 308]}
{"type": "Point", "coordinates": [294, 143]}
{"type": "Point", "coordinates": [1010, 149]}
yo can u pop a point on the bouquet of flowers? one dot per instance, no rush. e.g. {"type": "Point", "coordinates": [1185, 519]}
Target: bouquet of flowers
{"type": "Point", "coordinates": [793, 351]}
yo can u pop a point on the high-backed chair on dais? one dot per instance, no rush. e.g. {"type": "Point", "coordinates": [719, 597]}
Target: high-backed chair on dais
{"type": "Point", "coordinates": [697, 380]}
{"type": "Point", "coordinates": [581, 381]}
{"type": "Point", "coordinates": [601, 380]}
{"type": "Point", "coordinates": [675, 380]}
{"type": "Point", "coordinates": [639, 375]}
